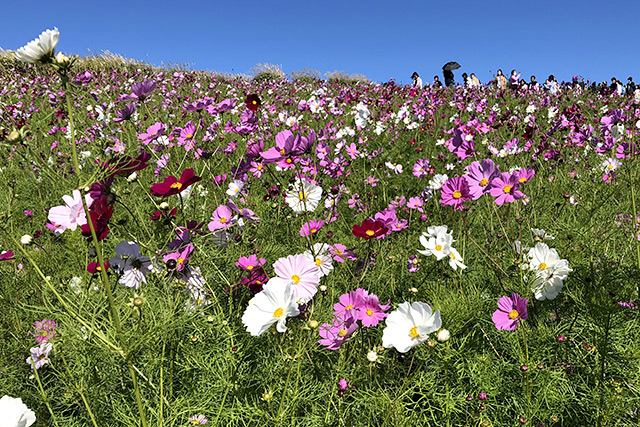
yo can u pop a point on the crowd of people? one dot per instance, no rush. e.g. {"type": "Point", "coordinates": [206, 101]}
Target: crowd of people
{"type": "Point", "coordinates": [516, 83]}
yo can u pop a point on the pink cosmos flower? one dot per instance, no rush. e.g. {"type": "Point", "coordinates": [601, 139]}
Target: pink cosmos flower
{"type": "Point", "coordinates": [370, 312]}
{"type": "Point", "coordinates": [311, 228]}
{"type": "Point", "coordinates": [454, 192]}
{"type": "Point", "coordinates": [71, 215]}
{"type": "Point", "coordinates": [416, 203]}
{"type": "Point", "coordinates": [39, 355]}
{"type": "Point", "coordinates": [153, 132]}
{"type": "Point", "coordinates": [222, 218]}
{"type": "Point", "coordinates": [334, 335]}
{"type": "Point", "coordinates": [181, 258]}
{"type": "Point", "coordinates": [340, 253]}
{"type": "Point", "coordinates": [479, 176]}
{"type": "Point", "coordinates": [505, 188]}
{"type": "Point", "coordinates": [510, 310]}
{"type": "Point", "coordinates": [303, 272]}
{"type": "Point", "coordinates": [250, 262]}
{"type": "Point", "coordinates": [422, 168]}
{"type": "Point", "coordinates": [349, 304]}
{"type": "Point", "coordinates": [44, 330]}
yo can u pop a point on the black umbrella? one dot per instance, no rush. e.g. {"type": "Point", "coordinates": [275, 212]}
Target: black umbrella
{"type": "Point", "coordinates": [451, 66]}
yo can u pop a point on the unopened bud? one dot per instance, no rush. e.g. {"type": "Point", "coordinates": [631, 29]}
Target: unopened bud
{"type": "Point", "coordinates": [14, 136]}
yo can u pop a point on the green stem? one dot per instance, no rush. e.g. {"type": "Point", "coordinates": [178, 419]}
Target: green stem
{"type": "Point", "coordinates": [44, 395]}
{"type": "Point", "coordinates": [634, 215]}
{"type": "Point", "coordinates": [103, 272]}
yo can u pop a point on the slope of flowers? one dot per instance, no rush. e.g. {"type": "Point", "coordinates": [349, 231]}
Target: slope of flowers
{"type": "Point", "coordinates": [199, 249]}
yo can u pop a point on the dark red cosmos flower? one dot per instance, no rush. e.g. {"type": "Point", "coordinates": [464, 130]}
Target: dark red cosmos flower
{"type": "Point", "coordinates": [369, 229]}
{"type": "Point", "coordinates": [171, 185]}
{"type": "Point", "coordinates": [95, 268]}
{"type": "Point", "coordinates": [126, 165]}
{"type": "Point", "coordinates": [253, 102]}
{"type": "Point", "coordinates": [163, 215]}
{"type": "Point", "coordinates": [100, 213]}
{"type": "Point", "coordinates": [6, 256]}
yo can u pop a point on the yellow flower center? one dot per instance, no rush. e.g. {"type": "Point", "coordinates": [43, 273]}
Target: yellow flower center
{"type": "Point", "coordinates": [98, 268]}
{"type": "Point", "coordinates": [457, 194]}
{"type": "Point", "coordinates": [282, 151]}
{"type": "Point", "coordinates": [289, 161]}
{"type": "Point", "coordinates": [453, 257]}
{"type": "Point", "coordinates": [259, 167]}
{"type": "Point", "coordinates": [342, 332]}
{"type": "Point", "coordinates": [369, 233]}
{"type": "Point", "coordinates": [438, 247]}
{"type": "Point", "coordinates": [507, 189]}
{"type": "Point", "coordinates": [303, 196]}
{"type": "Point", "coordinates": [180, 260]}
{"type": "Point", "coordinates": [542, 266]}
{"type": "Point", "coordinates": [177, 185]}
{"type": "Point", "coordinates": [279, 312]}
{"type": "Point", "coordinates": [521, 180]}
{"type": "Point", "coordinates": [318, 262]}
{"type": "Point", "coordinates": [189, 135]}
{"type": "Point", "coordinates": [483, 182]}
{"type": "Point", "coordinates": [314, 230]}
{"type": "Point", "coordinates": [513, 314]}
{"type": "Point", "coordinates": [223, 220]}
{"type": "Point", "coordinates": [249, 267]}
{"type": "Point", "coordinates": [369, 312]}
{"type": "Point", "coordinates": [254, 102]}
{"type": "Point", "coordinates": [296, 279]}
{"type": "Point", "coordinates": [349, 307]}
{"type": "Point", "coordinates": [413, 332]}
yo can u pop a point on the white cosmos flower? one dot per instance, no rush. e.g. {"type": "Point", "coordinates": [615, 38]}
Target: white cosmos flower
{"type": "Point", "coordinates": [14, 413]}
{"type": "Point", "coordinates": [409, 326]}
{"type": "Point", "coordinates": [362, 115]}
{"type": "Point", "coordinates": [323, 259]}
{"type": "Point", "coordinates": [438, 181]}
{"type": "Point", "coordinates": [438, 245]}
{"type": "Point", "coordinates": [304, 196]}
{"type": "Point", "coordinates": [455, 260]}
{"type": "Point", "coordinates": [550, 271]}
{"type": "Point", "coordinates": [234, 188]}
{"type": "Point", "coordinates": [274, 304]}
{"type": "Point", "coordinates": [40, 49]}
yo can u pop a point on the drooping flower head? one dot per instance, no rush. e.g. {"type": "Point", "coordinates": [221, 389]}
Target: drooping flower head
{"type": "Point", "coordinates": [41, 49]}
{"type": "Point", "coordinates": [172, 185]}
{"type": "Point", "coordinates": [510, 310]}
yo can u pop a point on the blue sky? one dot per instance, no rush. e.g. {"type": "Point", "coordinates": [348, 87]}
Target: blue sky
{"type": "Point", "coordinates": [380, 39]}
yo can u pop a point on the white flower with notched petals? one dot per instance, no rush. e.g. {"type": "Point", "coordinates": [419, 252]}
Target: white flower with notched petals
{"type": "Point", "coordinates": [409, 326]}
{"type": "Point", "coordinates": [41, 49]}
{"type": "Point", "coordinates": [274, 304]}
{"type": "Point", "coordinates": [438, 181]}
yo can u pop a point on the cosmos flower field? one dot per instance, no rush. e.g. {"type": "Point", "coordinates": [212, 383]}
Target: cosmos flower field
{"type": "Point", "coordinates": [183, 248]}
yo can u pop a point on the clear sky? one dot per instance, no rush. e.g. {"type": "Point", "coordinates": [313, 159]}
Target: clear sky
{"type": "Point", "coordinates": [380, 39]}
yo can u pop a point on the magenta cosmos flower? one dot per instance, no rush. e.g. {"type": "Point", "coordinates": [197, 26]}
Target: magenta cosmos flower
{"type": "Point", "coordinates": [172, 185]}
{"type": "Point", "coordinates": [303, 272]}
{"type": "Point", "coordinates": [222, 218]}
{"type": "Point", "coordinates": [311, 228]}
{"type": "Point", "coordinates": [505, 188]}
{"type": "Point", "coordinates": [370, 313]}
{"type": "Point", "coordinates": [454, 192]}
{"type": "Point", "coordinates": [250, 262]}
{"type": "Point", "coordinates": [350, 303]}
{"type": "Point", "coordinates": [479, 176]}
{"type": "Point", "coordinates": [334, 335]}
{"type": "Point", "coordinates": [510, 309]}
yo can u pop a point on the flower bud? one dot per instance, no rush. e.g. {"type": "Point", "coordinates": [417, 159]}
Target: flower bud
{"type": "Point", "coordinates": [14, 136]}
{"type": "Point", "coordinates": [164, 206]}
{"type": "Point", "coordinates": [443, 335]}
{"type": "Point", "coordinates": [372, 356]}
{"type": "Point", "coordinates": [313, 324]}
{"type": "Point", "coordinates": [26, 239]}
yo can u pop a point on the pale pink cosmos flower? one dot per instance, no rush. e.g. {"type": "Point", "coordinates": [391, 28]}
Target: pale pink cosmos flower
{"type": "Point", "coordinates": [71, 215]}
{"type": "Point", "coordinates": [222, 218]}
{"type": "Point", "coordinates": [303, 272]}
